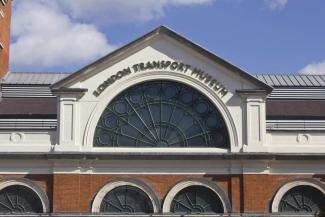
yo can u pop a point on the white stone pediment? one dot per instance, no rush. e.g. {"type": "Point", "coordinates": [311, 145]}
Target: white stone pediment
{"type": "Point", "coordinates": [161, 52]}
{"type": "Point", "coordinates": [160, 55]}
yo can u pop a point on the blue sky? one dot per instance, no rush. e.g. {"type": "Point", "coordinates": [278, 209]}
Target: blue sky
{"type": "Point", "coordinates": [260, 36]}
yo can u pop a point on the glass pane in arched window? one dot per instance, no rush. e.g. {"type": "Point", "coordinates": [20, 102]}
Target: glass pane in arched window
{"type": "Point", "coordinates": [302, 199]}
{"type": "Point", "coordinates": [161, 114]}
{"type": "Point", "coordinates": [126, 199]}
{"type": "Point", "coordinates": [196, 199]}
{"type": "Point", "coordinates": [17, 199]}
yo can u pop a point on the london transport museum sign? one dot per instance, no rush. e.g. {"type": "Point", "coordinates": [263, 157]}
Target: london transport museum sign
{"type": "Point", "coordinates": [165, 65]}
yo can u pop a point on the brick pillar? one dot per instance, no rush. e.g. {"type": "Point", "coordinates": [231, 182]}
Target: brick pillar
{"type": "Point", "coordinates": [66, 193]}
{"type": "Point", "coordinates": [5, 17]}
{"type": "Point", "coordinates": [236, 190]}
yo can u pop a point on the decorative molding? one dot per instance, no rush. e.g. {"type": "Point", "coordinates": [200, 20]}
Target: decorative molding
{"type": "Point", "coordinates": [244, 92]}
{"type": "Point", "coordinates": [161, 167]}
{"type": "Point", "coordinates": [29, 124]}
{"type": "Point", "coordinates": [26, 91]}
{"type": "Point", "coordinates": [297, 93]}
{"type": "Point", "coordinates": [16, 137]}
{"type": "Point", "coordinates": [295, 125]}
{"type": "Point", "coordinates": [69, 91]}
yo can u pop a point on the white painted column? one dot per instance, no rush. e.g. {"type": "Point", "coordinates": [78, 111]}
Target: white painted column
{"type": "Point", "coordinates": [255, 121]}
{"type": "Point", "coordinates": [68, 124]}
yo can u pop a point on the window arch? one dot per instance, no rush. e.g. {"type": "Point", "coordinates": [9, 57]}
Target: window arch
{"type": "Point", "coordinates": [301, 196]}
{"type": "Point", "coordinates": [196, 199]}
{"type": "Point", "coordinates": [19, 195]}
{"type": "Point", "coordinates": [161, 114]}
{"type": "Point", "coordinates": [126, 199]}
{"type": "Point", "coordinates": [196, 196]}
{"type": "Point", "coordinates": [125, 196]}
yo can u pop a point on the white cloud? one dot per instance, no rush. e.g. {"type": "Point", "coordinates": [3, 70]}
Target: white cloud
{"type": "Point", "coordinates": [63, 33]}
{"type": "Point", "coordinates": [314, 69]}
{"type": "Point", "coordinates": [46, 37]}
{"type": "Point", "coordinates": [276, 4]}
{"type": "Point", "coordinates": [117, 11]}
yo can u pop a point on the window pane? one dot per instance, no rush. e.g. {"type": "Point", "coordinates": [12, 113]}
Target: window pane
{"type": "Point", "coordinates": [126, 199]}
{"type": "Point", "coordinates": [196, 199]}
{"type": "Point", "coordinates": [302, 199]}
{"type": "Point", "coordinates": [18, 198]}
{"type": "Point", "coordinates": [161, 114]}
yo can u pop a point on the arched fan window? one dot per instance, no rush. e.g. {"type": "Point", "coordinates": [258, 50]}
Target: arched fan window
{"type": "Point", "coordinates": [161, 114]}
{"type": "Point", "coordinates": [18, 199]}
{"type": "Point", "coordinates": [196, 199]}
{"type": "Point", "coordinates": [302, 199]}
{"type": "Point", "coordinates": [126, 199]}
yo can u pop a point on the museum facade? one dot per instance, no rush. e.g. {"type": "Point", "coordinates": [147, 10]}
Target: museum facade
{"type": "Point", "coordinates": [162, 126]}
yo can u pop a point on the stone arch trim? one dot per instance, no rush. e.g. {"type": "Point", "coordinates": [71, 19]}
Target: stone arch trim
{"type": "Point", "coordinates": [196, 182]}
{"type": "Point", "coordinates": [287, 186]}
{"type": "Point", "coordinates": [4, 183]}
{"type": "Point", "coordinates": [110, 93]}
{"type": "Point", "coordinates": [122, 182]}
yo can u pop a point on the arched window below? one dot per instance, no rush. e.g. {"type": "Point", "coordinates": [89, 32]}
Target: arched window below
{"type": "Point", "coordinates": [196, 196]}
{"type": "Point", "coordinates": [125, 196]}
{"type": "Point", "coordinates": [302, 199]}
{"type": "Point", "coordinates": [196, 199]}
{"type": "Point", "coordinates": [161, 114]}
{"type": "Point", "coordinates": [126, 199]}
{"type": "Point", "coordinates": [19, 199]}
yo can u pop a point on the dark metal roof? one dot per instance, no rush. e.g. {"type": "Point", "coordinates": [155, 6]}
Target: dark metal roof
{"type": "Point", "coordinates": [275, 80]}
{"type": "Point", "coordinates": [295, 109]}
{"type": "Point", "coordinates": [28, 108]}
{"type": "Point", "coordinates": [281, 80]}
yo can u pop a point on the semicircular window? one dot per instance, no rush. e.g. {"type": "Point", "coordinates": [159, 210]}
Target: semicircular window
{"type": "Point", "coordinates": [302, 199]}
{"type": "Point", "coordinates": [126, 199]}
{"type": "Point", "coordinates": [161, 114]}
{"type": "Point", "coordinates": [196, 199]}
{"type": "Point", "coordinates": [18, 199]}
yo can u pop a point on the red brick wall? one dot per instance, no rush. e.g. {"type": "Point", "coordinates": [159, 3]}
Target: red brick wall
{"type": "Point", "coordinates": [5, 38]}
{"type": "Point", "coordinates": [75, 192]}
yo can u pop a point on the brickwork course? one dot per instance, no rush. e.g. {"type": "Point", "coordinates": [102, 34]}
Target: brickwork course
{"type": "Point", "coordinates": [75, 192]}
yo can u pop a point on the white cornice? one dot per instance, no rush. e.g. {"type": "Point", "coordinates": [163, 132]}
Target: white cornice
{"type": "Point", "coordinates": [166, 167]}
